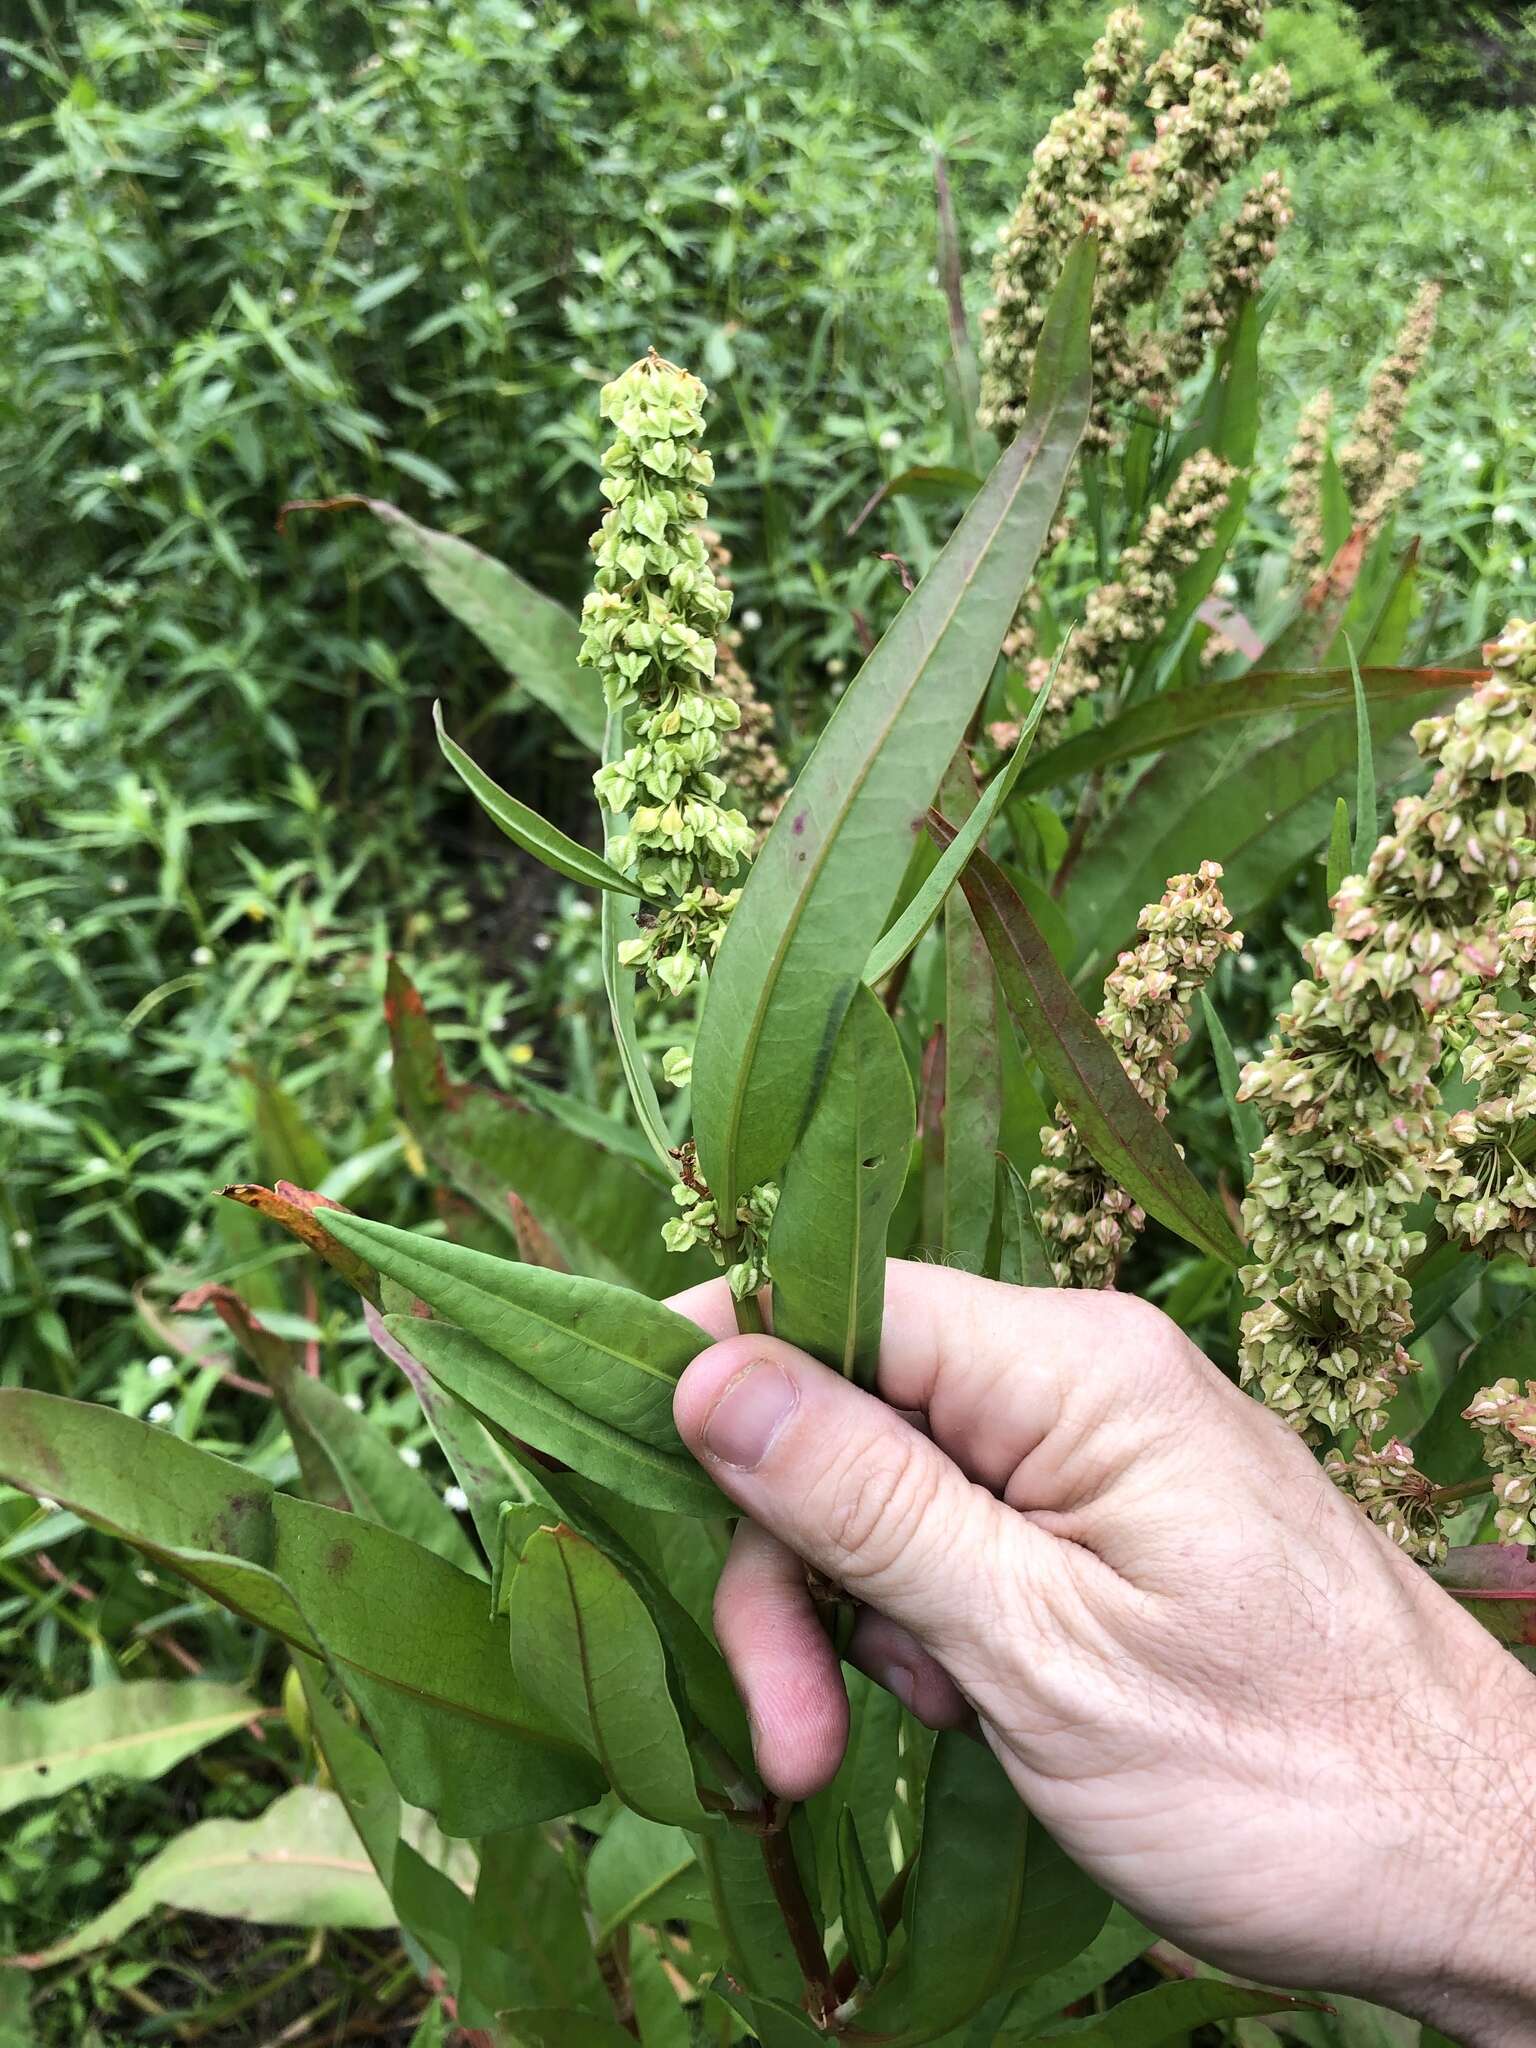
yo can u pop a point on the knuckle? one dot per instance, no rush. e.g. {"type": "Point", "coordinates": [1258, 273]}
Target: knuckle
{"type": "Point", "coordinates": [878, 1501]}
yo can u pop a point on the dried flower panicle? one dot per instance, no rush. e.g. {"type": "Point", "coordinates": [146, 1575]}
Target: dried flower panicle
{"type": "Point", "coordinates": [1239, 254]}
{"type": "Point", "coordinates": [1130, 612]}
{"type": "Point", "coordinates": [1506, 1419]}
{"type": "Point", "coordinates": [1219, 32]}
{"type": "Point", "coordinates": [1355, 1130]}
{"type": "Point", "coordinates": [1304, 468]}
{"type": "Point", "coordinates": [1368, 457]}
{"type": "Point", "coordinates": [1395, 1494]}
{"type": "Point", "coordinates": [650, 628]}
{"type": "Point", "coordinates": [1086, 1218]}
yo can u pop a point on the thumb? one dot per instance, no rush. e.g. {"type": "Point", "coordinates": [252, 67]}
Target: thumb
{"type": "Point", "coordinates": [853, 1488]}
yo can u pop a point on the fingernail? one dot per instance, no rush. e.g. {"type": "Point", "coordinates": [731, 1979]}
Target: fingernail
{"type": "Point", "coordinates": [748, 1416]}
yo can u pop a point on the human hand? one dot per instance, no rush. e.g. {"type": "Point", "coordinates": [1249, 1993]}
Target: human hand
{"type": "Point", "coordinates": [1230, 1697]}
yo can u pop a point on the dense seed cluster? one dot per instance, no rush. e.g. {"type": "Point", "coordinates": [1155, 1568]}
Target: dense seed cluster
{"type": "Point", "coordinates": [745, 1254]}
{"type": "Point", "coordinates": [1368, 458]}
{"type": "Point", "coordinates": [1086, 1218]}
{"type": "Point", "coordinates": [650, 628]}
{"type": "Point", "coordinates": [1506, 1420]}
{"type": "Point", "coordinates": [1395, 1494]}
{"type": "Point", "coordinates": [1241, 250]}
{"type": "Point", "coordinates": [1130, 612]}
{"type": "Point", "coordinates": [1304, 468]}
{"type": "Point", "coordinates": [749, 760]}
{"type": "Point", "coordinates": [1355, 1131]}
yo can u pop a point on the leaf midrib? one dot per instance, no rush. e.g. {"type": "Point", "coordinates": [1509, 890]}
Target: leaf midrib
{"type": "Point", "coordinates": [231, 1717]}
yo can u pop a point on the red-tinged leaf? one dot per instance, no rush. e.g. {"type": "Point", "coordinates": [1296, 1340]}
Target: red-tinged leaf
{"type": "Point", "coordinates": [1309, 636]}
{"type": "Point", "coordinates": [297, 1211]}
{"type": "Point", "coordinates": [1182, 714]}
{"type": "Point", "coordinates": [1079, 1063]}
{"type": "Point", "coordinates": [1496, 1582]}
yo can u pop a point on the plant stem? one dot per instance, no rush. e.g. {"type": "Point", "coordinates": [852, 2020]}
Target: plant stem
{"type": "Point", "coordinates": [800, 1919]}
{"type": "Point", "coordinates": [1469, 1489]}
{"type": "Point", "coordinates": [749, 1316]}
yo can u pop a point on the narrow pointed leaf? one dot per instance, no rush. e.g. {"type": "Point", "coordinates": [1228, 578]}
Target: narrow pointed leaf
{"type": "Point", "coordinates": [1340, 851]}
{"type": "Point", "coordinates": [299, 1865]}
{"type": "Point", "coordinates": [1247, 1124]}
{"type": "Point", "coordinates": [1170, 2013]}
{"type": "Point", "coordinates": [973, 1080]}
{"type": "Point", "coordinates": [1121, 1940]}
{"type": "Point", "coordinates": [532, 637]}
{"type": "Point", "coordinates": [823, 884]}
{"type": "Point", "coordinates": [925, 906]}
{"type": "Point", "coordinates": [863, 1928]}
{"type": "Point", "coordinates": [528, 1412]}
{"type": "Point", "coordinates": [603, 1210]}
{"type": "Point", "coordinates": [135, 1731]}
{"type": "Point", "coordinates": [1338, 519]}
{"type": "Point", "coordinates": [535, 835]}
{"type": "Point", "coordinates": [614, 1353]}
{"type": "Point", "coordinates": [584, 1645]}
{"type": "Point", "coordinates": [827, 1247]}
{"type": "Point", "coordinates": [558, 2027]}
{"type": "Point", "coordinates": [1179, 715]}
{"type": "Point", "coordinates": [1025, 1260]}
{"type": "Point", "coordinates": [1078, 1062]}
{"type": "Point", "coordinates": [1365, 774]}
{"type": "Point", "coordinates": [643, 1870]}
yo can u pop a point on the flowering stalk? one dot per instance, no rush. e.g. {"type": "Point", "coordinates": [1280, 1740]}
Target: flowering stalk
{"type": "Point", "coordinates": [1355, 1131]}
{"type": "Point", "coordinates": [1239, 254]}
{"type": "Point", "coordinates": [1395, 1494]}
{"type": "Point", "coordinates": [1367, 460]}
{"type": "Point", "coordinates": [650, 628]}
{"type": "Point", "coordinates": [1131, 612]}
{"type": "Point", "coordinates": [1506, 1420]}
{"type": "Point", "coordinates": [1304, 487]}
{"type": "Point", "coordinates": [1087, 1219]}
{"type": "Point", "coordinates": [749, 760]}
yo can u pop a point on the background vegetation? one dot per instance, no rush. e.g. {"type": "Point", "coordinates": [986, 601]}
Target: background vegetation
{"type": "Point", "coordinates": [272, 253]}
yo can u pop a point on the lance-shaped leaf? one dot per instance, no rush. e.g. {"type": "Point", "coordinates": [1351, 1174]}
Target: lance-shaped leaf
{"type": "Point", "coordinates": [528, 1937]}
{"type": "Point", "coordinates": [207, 1519]}
{"type": "Point", "coordinates": [604, 1211]}
{"type": "Point", "coordinates": [1079, 1063]}
{"type": "Point", "coordinates": [1170, 2013]}
{"type": "Point", "coordinates": [1495, 1582]}
{"type": "Point", "coordinates": [527, 1412]}
{"type": "Point", "coordinates": [135, 1731]}
{"type": "Point", "coordinates": [549, 2026]}
{"type": "Point", "coordinates": [525, 828]}
{"type": "Point", "coordinates": [1180, 715]}
{"type": "Point", "coordinates": [1365, 773]}
{"type": "Point", "coordinates": [413, 1641]}
{"type": "Point", "coordinates": [1062, 1912]}
{"type": "Point", "coordinates": [859, 1909]}
{"type": "Point", "coordinates": [532, 637]}
{"type": "Point", "coordinates": [1340, 852]}
{"type": "Point", "coordinates": [299, 1865]}
{"type": "Point", "coordinates": [745, 1907]}
{"type": "Point", "coordinates": [614, 1354]}
{"type": "Point", "coordinates": [584, 1645]}
{"type": "Point", "coordinates": [299, 1211]}
{"type": "Point", "coordinates": [1025, 1261]}
{"type": "Point", "coordinates": [1119, 1942]}
{"type": "Point", "coordinates": [971, 1124]}
{"type": "Point", "coordinates": [289, 1144]}
{"type": "Point", "coordinates": [643, 1870]}
{"type": "Point", "coordinates": [824, 882]}
{"type": "Point", "coordinates": [844, 1178]}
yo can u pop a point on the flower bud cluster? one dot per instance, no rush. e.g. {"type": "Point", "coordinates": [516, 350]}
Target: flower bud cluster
{"type": "Point", "coordinates": [1367, 459]}
{"type": "Point", "coordinates": [650, 628]}
{"type": "Point", "coordinates": [1120, 617]}
{"type": "Point", "coordinates": [1239, 254]}
{"type": "Point", "coordinates": [749, 761]}
{"type": "Point", "coordinates": [1395, 1494]}
{"type": "Point", "coordinates": [1074, 167]}
{"type": "Point", "coordinates": [1506, 1419]}
{"type": "Point", "coordinates": [699, 1223]}
{"type": "Point", "coordinates": [1304, 468]}
{"type": "Point", "coordinates": [1086, 1218]}
{"type": "Point", "coordinates": [1208, 122]}
{"type": "Point", "coordinates": [1355, 1130]}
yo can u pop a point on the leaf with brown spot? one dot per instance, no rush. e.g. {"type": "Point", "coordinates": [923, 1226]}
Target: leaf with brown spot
{"type": "Point", "coordinates": [297, 1211]}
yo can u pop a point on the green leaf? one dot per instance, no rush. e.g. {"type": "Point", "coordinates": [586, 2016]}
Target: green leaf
{"type": "Point", "coordinates": [643, 1870]}
{"type": "Point", "coordinates": [531, 636]}
{"type": "Point", "coordinates": [1026, 1262]}
{"type": "Point", "coordinates": [613, 1353]}
{"type": "Point", "coordinates": [290, 1147]}
{"type": "Point", "coordinates": [526, 1411]}
{"type": "Point", "coordinates": [663, 2020]}
{"type": "Point", "coordinates": [1365, 774]}
{"type": "Point", "coordinates": [558, 2027]}
{"type": "Point", "coordinates": [866, 1782]}
{"type": "Point", "coordinates": [1180, 715]}
{"type": "Point", "coordinates": [299, 1865]}
{"type": "Point", "coordinates": [926, 904]}
{"type": "Point", "coordinates": [535, 835]}
{"type": "Point", "coordinates": [1170, 2013]}
{"type": "Point", "coordinates": [827, 1246]}
{"type": "Point", "coordinates": [618, 924]}
{"type": "Point", "coordinates": [1338, 519]}
{"type": "Point", "coordinates": [1078, 1062]}
{"type": "Point", "coordinates": [413, 1642]}
{"type": "Point", "coordinates": [583, 1644]}
{"type": "Point", "coordinates": [971, 1125]}
{"type": "Point", "coordinates": [135, 1731]}
{"type": "Point", "coordinates": [1340, 851]}
{"type": "Point", "coordinates": [1247, 1124]}
{"type": "Point", "coordinates": [821, 889]}
{"type": "Point", "coordinates": [1121, 1940]}
{"type": "Point", "coordinates": [1448, 1448]}
{"type": "Point", "coordinates": [863, 1928]}
{"type": "Point", "coordinates": [603, 1210]}
{"type": "Point", "coordinates": [1062, 1913]}
{"type": "Point", "coordinates": [528, 1939]}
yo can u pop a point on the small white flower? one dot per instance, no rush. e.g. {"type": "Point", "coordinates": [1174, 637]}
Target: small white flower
{"type": "Point", "coordinates": [456, 1498]}
{"type": "Point", "coordinates": [259, 132]}
{"type": "Point", "coordinates": [160, 1367]}
{"type": "Point", "coordinates": [716, 111]}
{"type": "Point", "coordinates": [890, 438]}
{"type": "Point", "coordinates": [409, 1455]}
{"type": "Point", "coordinates": [202, 956]}
{"type": "Point", "coordinates": [542, 942]}
{"type": "Point", "coordinates": [1226, 584]}
{"type": "Point", "coordinates": [287, 296]}
{"type": "Point", "coordinates": [55, 927]}
{"type": "Point", "coordinates": [354, 1402]}
{"type": "Point", "coordinates": [149, 798]}
{"type": "Point", "coordinates": [117, 884]}
{"type": "Point", "coordinates": [1504, 515]}
{"type": "Point", "coordinates": [725, 195]}
{"type": "Point", "coordinates": [1476, 263]}
{"type": "Point", "coordinates": [326, 105]}
{"type": "Point", "coordinates": [508, 309]}
{"type": "Point", "coordinates": [131, 473]}
{"type": "Point", "coordinates": [470, 290]}
{"type": "Point", "coordinates": [1517, 565]}
{"type": "Point", "coordinates": [1471, 463]}
{"type": "Point", "coordinates": [653, 204]}
{"type": "Point", "coordinates": [338, 979]}
{"type": "Point", "coordinates": [751, 619]}
{"type": "Point", "coordinates": [144, 1577]}
{"type": "Point", "coordinates": [53, 1035]}
{"type": "Point", "coordinates": [580, 912]}
{"type": "Point", "coordinates": [837, 666]}
{"type": "Point", "coordinates": [21, 1240]}
{"type": "Point", "coordinates": [162, 1412]}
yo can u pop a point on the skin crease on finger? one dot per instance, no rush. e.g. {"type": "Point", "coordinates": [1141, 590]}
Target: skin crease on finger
{"type": "Point", "coordinates": [1234, 1700]}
